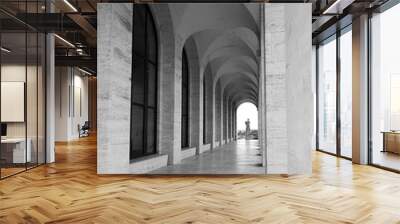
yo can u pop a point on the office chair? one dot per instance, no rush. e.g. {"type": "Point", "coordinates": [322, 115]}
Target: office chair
{"type": "Point", "coordinates": [84, 130]}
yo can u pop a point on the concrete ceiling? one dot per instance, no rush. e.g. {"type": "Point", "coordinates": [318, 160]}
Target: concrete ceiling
{"type": "Point", "coordinates": [227, 41]}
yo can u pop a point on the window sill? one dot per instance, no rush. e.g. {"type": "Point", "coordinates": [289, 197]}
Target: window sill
{"type": "Point", "coordinates": [149, 163]}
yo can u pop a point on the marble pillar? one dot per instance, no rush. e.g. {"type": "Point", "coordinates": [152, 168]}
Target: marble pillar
{"type": "Point", "coordinates": [220, 116]}
{"type": "Point", "coordinates": [360, 90]}
{"type": "Point", "coordinates": [114, 60]}
{"type": "Point", "coordinates": [288, 91]}
{"type": "Point", "coordinates": [196, 97]}
{"type": "Point", "coordinates": [50, 98]}
{"type": "Point", "coordinates": [299, 92]}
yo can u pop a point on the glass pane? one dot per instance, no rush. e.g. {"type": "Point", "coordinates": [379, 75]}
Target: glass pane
{"type": "Point", "coordinates": [14, 154]}
{"type": "Point", "coordinates": [144, 76]}
{"type": "Point", "coordinates": [138, 81]}
{"type": "Point", "coordinates": [327, 97]}
{"type": "Point", "coordinates": [385, 91]}
{"type": "Point", "coordinates": [346, 94]}
{"type": "Point", "coordinates": [151, 39]}
{"type": "Point", "coordinates": [139, 30]}
{"type": "Point", "coordinates": [31, 100]}
{"type": "Point", "coordinates": [137, 132]}
{"type": "Point", "coordinates": [151, 131]}
{"type": "Point", "coordinates": [151, 85]}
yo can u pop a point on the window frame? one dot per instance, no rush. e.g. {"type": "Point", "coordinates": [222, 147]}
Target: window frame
{"type": "Point", "coordinates": [147, 60]}
{"type": "Point", "coordinates": [381, 9]}
{"type": "Point", "coordinates": [334, 37]}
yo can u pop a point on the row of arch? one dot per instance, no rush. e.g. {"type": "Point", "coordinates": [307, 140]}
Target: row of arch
{"type": "Point", "coordinates": [220, 43]}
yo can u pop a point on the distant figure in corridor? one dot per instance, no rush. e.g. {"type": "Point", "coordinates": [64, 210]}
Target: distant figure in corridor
{"type": "Point", "coordinates": [248, 129]}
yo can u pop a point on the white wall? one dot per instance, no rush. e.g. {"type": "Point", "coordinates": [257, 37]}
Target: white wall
{"type": "Point", "coordinates": [18, 73]}
{"type": "Point", "coordinates": [70, 83]}
{"type": "Point", "coordinates": [33, 125]}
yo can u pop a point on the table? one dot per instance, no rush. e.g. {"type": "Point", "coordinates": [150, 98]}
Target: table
{"type": "Point", "coordinates": [13, 150]}
{"type": "Point", "coordinates": [391, 141]}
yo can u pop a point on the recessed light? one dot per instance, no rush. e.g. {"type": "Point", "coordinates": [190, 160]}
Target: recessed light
{"type": "Point", "coordinates": [64, 40]}
{"type": "Point", "coordinates": [84, 71]}
{"type": "Point", "coordinates": [338, 6]}
{"type": "Point", "coordinates": [5, 50]}
{"type": "Point", "coordinates": [70, 5]}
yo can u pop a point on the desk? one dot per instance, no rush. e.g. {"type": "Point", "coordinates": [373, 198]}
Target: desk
{"type": "Point", "coordinates": [391, 141]}
{"type": "Point", "coordinates": [13, 150]}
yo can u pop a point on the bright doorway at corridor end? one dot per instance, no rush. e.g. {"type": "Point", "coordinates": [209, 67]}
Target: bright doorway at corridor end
{"type": "Point", "coordinates": [247, 121]}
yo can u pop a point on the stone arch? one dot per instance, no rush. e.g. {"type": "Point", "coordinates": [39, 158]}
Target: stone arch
{"type": "Point", "coordinates": [196, 96]}
{"type": "Point", "coordinates": [239, 87]}
{"type": "Point", "coordinates": [232, 16]}
{"type": "Point", "coordinates": [241, 37]}
{"type": "Point", "coordinates": [237, 78]}
{"type": "Point", "coordinates": [168, 74]}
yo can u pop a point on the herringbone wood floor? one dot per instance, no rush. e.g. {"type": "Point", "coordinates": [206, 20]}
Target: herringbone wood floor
{"type": "Point", "coordinates": [70, 191]}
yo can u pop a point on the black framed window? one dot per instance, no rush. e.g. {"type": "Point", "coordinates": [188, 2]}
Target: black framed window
{"type": "Point", "coordinates": [384, 88]}
{"type": "Point", "coordinates": [185, 102]}
{"type": "Point", "coordinates": [334, 89]}
{"type": "Point", "coordinates": [22, 90]}
{"type": "Point", "coordinates": [144, 84]}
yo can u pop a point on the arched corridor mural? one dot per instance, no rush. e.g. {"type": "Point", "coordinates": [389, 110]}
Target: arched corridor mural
{"type": "Point", "coordinates": [206, 67]}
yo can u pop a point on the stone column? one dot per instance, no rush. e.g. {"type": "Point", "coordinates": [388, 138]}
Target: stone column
{"type": "Point", "coordinates": [261, 90]}
{"type": "Point", "coordinates": [216, 117]}
{"type": "Point", "coordinates": [211, 98]}
{"type": "Point", "coordinates": [50, 95]}
{"type": "Point", "coordinates": [300, 96]}
{"type": "Point", "coordinates": [234, 123]}
{"type": "Point", "coordinates": [114, 87]}
{"type": "Point", "coordinates": [231, 121]}
{"type": "Point", "coordinates": [228, 120]}
{"type": "Point", "coordinates": [170, 104]}
{"type": "Point", "coordinates": [196, 112]}
{"type": "Point", "coordinates": [221, 117]}
{"type": "Point", "coordinates": [196, 97]}
{"type": "Point", "coordinates": [289, 97]}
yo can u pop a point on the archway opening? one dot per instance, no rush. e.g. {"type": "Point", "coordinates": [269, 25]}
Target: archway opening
{"type": "Point", "coordinates": [247, 121]}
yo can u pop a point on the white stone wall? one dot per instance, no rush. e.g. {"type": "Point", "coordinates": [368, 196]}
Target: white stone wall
{"type": "Point", "coordinates": [196, 97]}
{"type": "Point", "coordinates": [288, 88]}
{"type": "Point", "coordinates": [300, 95]}
{"type": "Point", "coordinates": [114, 58]}
{"type": "Point", "coordinates": [68, 115]}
